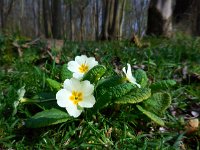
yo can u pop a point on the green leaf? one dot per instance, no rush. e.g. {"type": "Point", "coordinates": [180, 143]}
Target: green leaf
{"type": "Point", "coordinates": [53, 84]}
{"type": "Point", "coordinates": [102, 101]}
{"type": "Point", "coordinates": [120, 90]}
{"type": "Point", "coordinates": [158, 103]}
{"type": "Point", "coordinates": [135, 96]}
{"type": "Point", "coordinates": [110, 81]}
{"type": "Point", "coordinates": [141, 77]}
{"type": "Point", "coordinates": [111, 93]}
{"type": "Point", "coordinates": [104, 84]}
{"type": "Point", "coordinates": [47, 118]}
{"type": "Point", "coordinates": [162, 85]}
{"type": "Point", "coordinates": [65, 73]}
{"type": "Point", "coordinates": [151, 115]}
{"type": "Point", "coordinates": [95, 73]}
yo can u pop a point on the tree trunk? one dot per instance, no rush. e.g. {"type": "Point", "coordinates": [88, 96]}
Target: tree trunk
{"type": "Point", "coordinates": [97, 20]}
{"type": "Point", "coordinates": [81, 25]}
{"type": "Point", "coordinates": [46, 18]}
{"type": "Point", "coordinates": [72, 31]}
{"type": "Point", "coordinates": [196, 18]}
{"type": "Point", "coordinates": [105, 19]}
{"type": "Point", "coordinates": [112, 19]}
{"type": "Point", "coordinates": [39, 18]}
{"type": "Point", "coordinates": [56, 19]}
{"type": "Point", "coordinates": [2, 13]}
{"type": "Point", "coordinates": [160, 18]}
{"type": "Point", "coordinates": [182, 16]}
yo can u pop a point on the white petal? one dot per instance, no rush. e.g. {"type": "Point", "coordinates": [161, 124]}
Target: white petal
{"type": "Point", "coordinates": [87, 88]}
{"type": "Point", "coordinates": [138, 85]}
{"type": "Point", "coordinates": [78, 76]}
{"type": "Point", "coordinates": [133, 80]}
{"type": "Point", "coordinates": [73, 110]}
{"type": "Point", "coordinates": [124, 70]}
{"type": "Point", "coordinates": [76, 84]}
{"type": "Point", "coordinates": [62, 97]}
{"type": "Point", "coordinates": [21, 92]}
{"type": "Point", "coordinates": [91, 62]}
{"type": "Point", "coordinates": [87, 102]}
{"type": "Point", "coordinates": [73, 66]}
{"type": "Point", "coordinates": [129, 73]}
{"type": "Point", "coordinates": [81, 59]}
{"type": "Point", "coordinates": [67, 85]}
{"type": "Point", "coordinates": [72, 84]}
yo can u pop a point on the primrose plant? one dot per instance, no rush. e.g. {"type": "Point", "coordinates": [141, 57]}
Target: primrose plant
{"type": "Point", "coordinates": [86, 84]}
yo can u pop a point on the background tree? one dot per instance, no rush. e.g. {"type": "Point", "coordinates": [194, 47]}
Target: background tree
{"type": "Point", "coordinates": [112, 18]}
{"type": "Point", "coordinates": [56, 19]}
{"type": "Point", "coordinates": [196, 18]}
{"type": "Point", "coordinates": [160, 18]}
{"type": "Point", "coordinates": [5, 10]}
{"type": "Point", "coordinates": [46, 18]}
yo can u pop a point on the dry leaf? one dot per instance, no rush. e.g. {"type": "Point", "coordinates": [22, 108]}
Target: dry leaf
{"type": "Point", "coordinates": [192, 125]}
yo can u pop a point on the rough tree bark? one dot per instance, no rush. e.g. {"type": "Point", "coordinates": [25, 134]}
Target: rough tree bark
{"type": "Point", "coordinates": [112, 19]}
{"type": "Point", "coordinates": [2, 13]}
{"type": "Point", "coordinates": [56, 19]}
{"type": "Point", "coordinates": [81, 9]}
{"type": "Point", "coordinates": [72, 28]}
{"type": "Point", "coordinates": [97, 20]}
{"type": "Point", "coordinates": [182, 16]}
{"type": "Point", "coordinates": [46, 18]}
{"type": "Point", "coordinates": [160, 18]}
{"type": "Point", "coordinates": [196, 18]}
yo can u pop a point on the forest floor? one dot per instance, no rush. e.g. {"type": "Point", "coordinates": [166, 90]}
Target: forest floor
{"type": "Point", "coordinates": [28, 63]}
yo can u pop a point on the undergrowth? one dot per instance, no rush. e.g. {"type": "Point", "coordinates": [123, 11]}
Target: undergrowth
{"type": "Point", "coordinates": [113, 128]}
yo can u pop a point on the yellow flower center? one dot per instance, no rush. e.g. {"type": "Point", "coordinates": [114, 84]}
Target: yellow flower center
{"type": "Point", "coordinates": [83, 68]}
{"type": "Point", "coordinates": [76, 97]}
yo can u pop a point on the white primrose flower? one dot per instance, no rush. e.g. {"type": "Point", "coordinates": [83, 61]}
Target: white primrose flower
{"type": "Point", "coordinates": [75, 96]}
{"type": "Point", "coordinates": [129, 75]}
{"type": "Point", "coordinates": [81, 65]}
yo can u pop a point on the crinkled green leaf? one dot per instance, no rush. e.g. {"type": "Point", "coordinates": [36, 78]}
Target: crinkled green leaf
{"type": "Point", "coordinates": [151, 115]}
{"type": "Point", "coordinates": [102, 101]}
{"type": "Point", "coordinates": [111, 93]}
{"type": "Point", "coordinates": [158, 103]}
{"type": "Point", "coordinates": [104, 84]}
{"type": "Point", "coordinates": [135, 96]}
{"type": "Point", "coordinates": [47, 118]}
{"type": "Point", "coordinates": [141, 77]}
{"type": "Point", "coordinates": [95, 73]}
{"type": "Point", "coordinates": [110, 81]}
{"type": "Point", "coordinates": [120, 90]}
{"type": "Point", "coordinates": [162, 85]}
{"type": "Point", "coordinates": [53, 84]}
{"type": "Point", "coordinates": [65, 73]}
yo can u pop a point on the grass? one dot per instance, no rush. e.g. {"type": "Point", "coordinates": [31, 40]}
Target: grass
{"type": "Point", "coordinates": [112, 128]}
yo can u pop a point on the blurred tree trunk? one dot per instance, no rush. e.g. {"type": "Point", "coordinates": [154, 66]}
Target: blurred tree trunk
{"type": "Point", "coordinates": [196, 18]}
{"type": "Point", "coordinates": [2, 13]}
{"type": "Point", "coordinates": [82, 7]}
{"type": "Point", "coordinates": [5, 11]}
{"type": "Point", "coordinates": [112, 19]}
{"type": "Point", "coordinates": [81, 25]}
{"type": "Point", "coordinates": [36, 18]}
{"type": "Point", "coordinates": [97, 20]}
{"type": "Point", "coordinates": [160, 18]}
{"type": "Point", "coordinates": [56, 19]}
{"type": "Point", "coordinates": [182, 10]}
{"type": "Point", "coordinates": [72, 31]}
{"type": "Point", "coordinates": [46, 18]}
{"type": "Point", "coordinates": [182, 16]}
